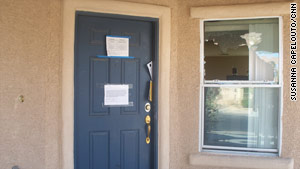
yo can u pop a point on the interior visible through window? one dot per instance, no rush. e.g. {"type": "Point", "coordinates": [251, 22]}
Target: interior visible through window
{"type": "Point", "coordinates": [241, 89]}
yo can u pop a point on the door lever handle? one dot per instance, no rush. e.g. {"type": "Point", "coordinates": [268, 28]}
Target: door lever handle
{"type": "Point", "coordinates": [148, 120]}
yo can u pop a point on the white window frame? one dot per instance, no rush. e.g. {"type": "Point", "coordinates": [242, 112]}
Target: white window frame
{"type": "Point", "coordinates": [217, 83]}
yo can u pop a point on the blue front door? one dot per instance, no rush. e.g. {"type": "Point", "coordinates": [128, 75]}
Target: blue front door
{"type": "Point", "coordinates": [113, 137]}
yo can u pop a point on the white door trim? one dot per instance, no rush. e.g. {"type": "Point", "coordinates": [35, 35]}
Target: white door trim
{"type": "Point", "coordinates": [241, 10]}
{"type": "Point", "coordinates": [125, 8]}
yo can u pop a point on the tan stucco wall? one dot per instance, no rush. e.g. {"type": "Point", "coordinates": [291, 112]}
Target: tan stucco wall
{"type": "Point", "coordinates": [30, 64]}
{"type": "Point", "coordinates": [185, 113]}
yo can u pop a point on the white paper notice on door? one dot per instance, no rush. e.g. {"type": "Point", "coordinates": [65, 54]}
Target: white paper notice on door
{"type": "Point", "coordinates": [117, 45]}
{"type": "Point", "coordinates": [116, 95]}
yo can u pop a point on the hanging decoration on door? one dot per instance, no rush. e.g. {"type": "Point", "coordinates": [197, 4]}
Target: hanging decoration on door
{"type": "Point", "coordinates": [149, 65]}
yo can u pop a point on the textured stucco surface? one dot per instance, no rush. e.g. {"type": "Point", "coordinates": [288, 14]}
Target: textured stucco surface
{"type": "Point", "coordinates": [30, 65]}
{"type": "Point", "coordinates": [185, 113]}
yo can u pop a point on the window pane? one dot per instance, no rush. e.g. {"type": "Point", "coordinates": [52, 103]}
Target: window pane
{"type": "Point", "coordinates": [242, 49]}
{"type": "Point", "coordinates": [241, 117]}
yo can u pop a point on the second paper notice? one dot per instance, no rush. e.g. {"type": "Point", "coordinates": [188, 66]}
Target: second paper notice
{"type": "Point", "coordinates": [116, 95]}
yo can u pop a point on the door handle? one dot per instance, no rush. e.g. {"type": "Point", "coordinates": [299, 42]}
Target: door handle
{"type": "Point", "coordinates": [148, 120]}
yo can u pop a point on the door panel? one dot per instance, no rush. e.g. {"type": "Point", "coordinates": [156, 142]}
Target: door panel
{"type": "Point", "coordinates": [130, 75]}
{"type": "Point", "coordinates": [113, 137]}
{"type": "Point", "coordinates": [99, 77]}
{"type": "Point", "coordinates": [99, 147]}
{"type": "Point", "coordinates": [130, 149]}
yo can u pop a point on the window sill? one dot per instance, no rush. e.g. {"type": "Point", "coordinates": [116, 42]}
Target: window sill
{"type": "Point", "coordinates": [240, 161]}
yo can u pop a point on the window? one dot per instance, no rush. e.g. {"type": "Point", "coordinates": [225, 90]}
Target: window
{"type": "Point", "coordinates": [241, 85]}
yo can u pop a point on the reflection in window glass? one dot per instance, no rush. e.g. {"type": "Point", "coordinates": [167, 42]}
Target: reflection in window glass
{"type": "Point", "coordinates": [242, 49]}
{"type": "Point", "coordinates": [241, 117]}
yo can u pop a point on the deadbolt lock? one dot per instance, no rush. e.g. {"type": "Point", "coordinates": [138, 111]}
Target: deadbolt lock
{"type": "Point", "coordinates": [147, 107]}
